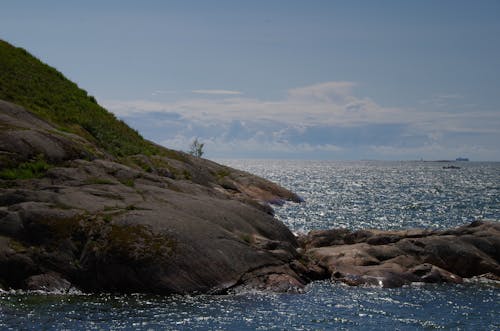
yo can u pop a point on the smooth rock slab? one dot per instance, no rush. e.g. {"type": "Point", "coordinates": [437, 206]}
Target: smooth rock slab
{"type": "Point", "coordinates": [396, 258]}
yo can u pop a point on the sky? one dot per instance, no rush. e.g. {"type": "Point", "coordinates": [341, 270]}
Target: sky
{"type": "Point", "coordinates": [339, 80]}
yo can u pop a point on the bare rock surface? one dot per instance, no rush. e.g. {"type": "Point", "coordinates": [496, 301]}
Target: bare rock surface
{"type": "Point", "coordinates": [171, 223]}
{"type": "Point", "coordinates": [396, 258]}
{"type": "Point", "coordinates": [49, 282]}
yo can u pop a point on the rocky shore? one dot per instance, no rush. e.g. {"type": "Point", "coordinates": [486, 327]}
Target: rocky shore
{"type": "Point", "coordinates": [86, 202]}
{"type": "Point", "coordinates": [174, 223]}
{"type": "Point", "coordinates": [397, 258]}
{"type": "Point", "coordinates": [166, 224]}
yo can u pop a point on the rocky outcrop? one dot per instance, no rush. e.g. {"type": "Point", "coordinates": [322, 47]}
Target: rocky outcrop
{"type": "Point", "coordinates": [168, 223]}
{"type": "Point", "coordinates": [396, 258]}
{"type": "Point", "coordinates": [87, 202]}
{"type": "Point", "coordinates": [71, 215]}
{"type": "Point", "coordinates": [49, 282]}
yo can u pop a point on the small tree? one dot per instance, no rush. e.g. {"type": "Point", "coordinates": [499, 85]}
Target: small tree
{"type": "Point", "coordinates": [196, 148]}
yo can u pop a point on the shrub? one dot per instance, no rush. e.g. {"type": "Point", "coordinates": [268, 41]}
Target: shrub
{"type": "Point", "coordinates": [196, 148]}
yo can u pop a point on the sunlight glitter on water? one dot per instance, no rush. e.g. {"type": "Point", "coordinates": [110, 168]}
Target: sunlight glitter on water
{"type": "Point", "coordinates": [385, 195]}
{"type": "Point", "coordinates": [324, 306]}
{"type": "Point", "coordinates": [388, 195]}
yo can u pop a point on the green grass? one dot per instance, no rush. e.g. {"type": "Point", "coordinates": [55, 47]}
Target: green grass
{"type": "Point", "coordinates": [224, 172]}
{"type": "Point", "coordinates": [175, 155]}
{"type": "Point", "coordinates": [187, 175]}
{"type": "Point", "coordinates": [246, 238]}
{"type": "Point", "coordinates": [28, 82]}
{"type": "Point", "coordinates": [107, 218]}
{"type": "Point", "coordinates": [26, 170]}
{"type": "Point", "coordinates": [128, 182]}
{"type": "Point", "coordinates": [140, 162]}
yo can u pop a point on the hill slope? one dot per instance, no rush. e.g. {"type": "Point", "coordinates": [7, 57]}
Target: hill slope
{"type": "Point", "coordinates": [44, 91]}
{"type": "Point", "coordinates": [26, 81]}
{"type": "Point", "coordinates": [85, 200]}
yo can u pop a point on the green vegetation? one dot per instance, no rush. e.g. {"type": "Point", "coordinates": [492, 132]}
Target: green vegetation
{"type": "Point", "coordinates": [174, 155]}
{"type": "Point", "coordinates": [140, 161]}
{"type": "Point", "coordinates": [128, 182]}
{"type": "Point", "coordinates": [137, 243]}
{"type": "Point", "coordinates": [187, 175]}
{"type": "Point", "coordinates": [224, 172]}
{"type": "Point", "coordinates": [28, 82]}
{"type": "Point", "coordinates": [56, 230]}
{"type": "Point", "coordinates": [107, 218]}
{"type": "Point", "coordinates": [26, 170]}
{"type": "Point", "coordinates": [246, 238]}
{"type": "Point", "coordinates": [16, 245]}
{"type": "Point", "coordinates": [196, 148]}
{"type": "Point", "coordinates": [161, 165]}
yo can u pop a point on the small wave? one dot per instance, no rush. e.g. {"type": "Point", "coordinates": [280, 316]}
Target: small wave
{"type": "Point", "coordinates": [71, 291]}
{"type": "Point", "coordinates": [487, 279]}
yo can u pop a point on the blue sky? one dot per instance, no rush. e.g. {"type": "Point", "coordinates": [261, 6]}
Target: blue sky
{"type": "Point", "coordinates": [390, 80]}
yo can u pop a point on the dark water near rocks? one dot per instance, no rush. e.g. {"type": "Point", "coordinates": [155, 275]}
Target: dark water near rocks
{"type": "Point", "coordinates": [387, 195]}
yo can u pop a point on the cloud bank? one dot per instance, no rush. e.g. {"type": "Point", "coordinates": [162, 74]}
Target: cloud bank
{"type": "Point", "coordinates": [325, 120]}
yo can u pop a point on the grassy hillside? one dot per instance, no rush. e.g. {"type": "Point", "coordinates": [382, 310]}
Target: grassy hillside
{"type": "Point", "coordinates": [28, 82]}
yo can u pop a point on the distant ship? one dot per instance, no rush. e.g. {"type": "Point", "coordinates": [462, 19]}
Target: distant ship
{"type": "Point", "coordinates": [462, 159]}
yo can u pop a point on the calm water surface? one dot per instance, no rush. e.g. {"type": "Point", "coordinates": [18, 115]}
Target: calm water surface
{"type": "Point", "coordinates": [386, 195]}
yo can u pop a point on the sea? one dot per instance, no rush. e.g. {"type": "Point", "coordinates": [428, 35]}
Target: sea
{"type": "Point", "coordinates": [354, 195]}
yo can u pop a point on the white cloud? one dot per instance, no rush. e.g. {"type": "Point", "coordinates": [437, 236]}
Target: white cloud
{"type": "Point", "coordinates": [325, 117]}
{"type": "Point", "coordinates": [326, 103]}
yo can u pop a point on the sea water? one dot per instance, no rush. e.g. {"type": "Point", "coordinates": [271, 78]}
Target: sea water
{"type": "Point", "coordinates": [363, 194]}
